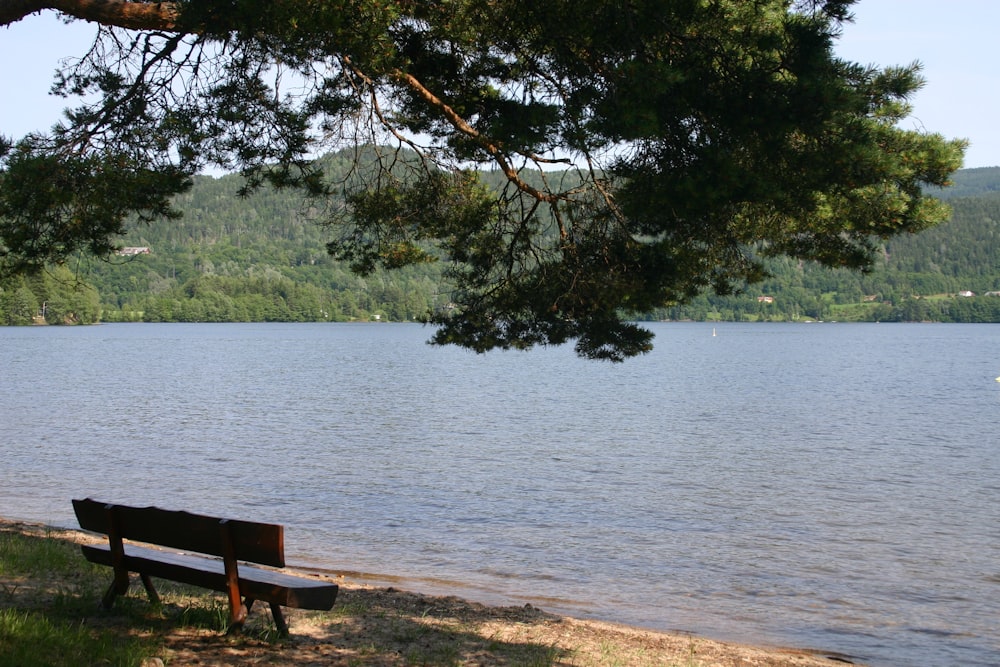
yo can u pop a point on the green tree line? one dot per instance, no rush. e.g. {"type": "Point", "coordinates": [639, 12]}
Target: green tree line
{"type": "Point", "coordinates": [264, 258]}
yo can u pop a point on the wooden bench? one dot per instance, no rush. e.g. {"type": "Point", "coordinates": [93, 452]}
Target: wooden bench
{"type": "Point", "coordinates": [193, 540]}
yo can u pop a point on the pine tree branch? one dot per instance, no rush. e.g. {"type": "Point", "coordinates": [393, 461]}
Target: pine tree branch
{"type": "Point", "coordinates": [120, 13]}
{"type": "Point", "coordinates": [461, 125]}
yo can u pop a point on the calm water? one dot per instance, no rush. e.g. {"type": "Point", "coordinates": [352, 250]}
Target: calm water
{"type": "Point", "coordinates": [829, 486]}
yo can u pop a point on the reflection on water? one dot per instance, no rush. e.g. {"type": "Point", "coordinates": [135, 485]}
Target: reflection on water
{"type": "Point", "coordinates": [828, 486]}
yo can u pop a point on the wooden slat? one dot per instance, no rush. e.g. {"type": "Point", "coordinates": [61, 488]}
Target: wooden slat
{"type": "Point", "coordinates": [289, 590]}
{"type": "Point", "coordinates": [252, 541]}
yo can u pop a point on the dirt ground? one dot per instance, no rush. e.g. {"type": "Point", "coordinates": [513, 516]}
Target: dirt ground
{"type": "Point", "coordinates": [385, 626]}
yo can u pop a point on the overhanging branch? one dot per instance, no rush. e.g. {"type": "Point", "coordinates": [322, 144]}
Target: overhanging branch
{"type": "Point", "coordinates": [461, 125]}
{"type": "Point", "coordinates": [120, 13]}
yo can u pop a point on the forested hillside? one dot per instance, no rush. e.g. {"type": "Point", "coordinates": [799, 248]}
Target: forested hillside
{"type": "Point", "coordinates": [264, 258]}
{"type": "Point", "coordinates": [949, 273]}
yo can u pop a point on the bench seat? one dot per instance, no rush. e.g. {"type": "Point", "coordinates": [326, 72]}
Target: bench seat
{"type": "Point", "coordinates": [256, 583]}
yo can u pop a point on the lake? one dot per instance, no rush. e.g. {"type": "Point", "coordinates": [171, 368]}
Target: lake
{"type": "Point", "coordinates": [829, 486]}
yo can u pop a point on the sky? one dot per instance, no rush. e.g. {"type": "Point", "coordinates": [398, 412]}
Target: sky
{"type": "Point", "coordinates": [956, 42]}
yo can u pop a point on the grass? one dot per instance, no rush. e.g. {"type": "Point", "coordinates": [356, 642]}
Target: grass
{"type": "Point", "coordinates": [49, 630]}
{"type": "Point", "coordinates": [30, 639]}
{"type": "Point", "coordinates": [21, 555]}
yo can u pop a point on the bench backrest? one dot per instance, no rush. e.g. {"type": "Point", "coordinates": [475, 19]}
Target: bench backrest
{"type": "Point", "coordinates": [262, 543]}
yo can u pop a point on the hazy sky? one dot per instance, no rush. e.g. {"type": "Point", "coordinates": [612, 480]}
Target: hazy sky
{"type": "Point", "coordinates": [956, 42]}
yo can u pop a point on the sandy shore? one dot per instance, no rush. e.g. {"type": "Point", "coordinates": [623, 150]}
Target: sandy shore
{"type": "Point", "coordinates": [376, 625]}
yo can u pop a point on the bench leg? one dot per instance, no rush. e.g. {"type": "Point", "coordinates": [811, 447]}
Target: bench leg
{"type": "Point", "coordinates": [154, 597]}
{"type": "Point", "coordinates": [236, 621]}
{"type": "Point", "coordinates": [119, 586]}
{"type": "Point", "coordinates": [279, 619]}
{"type": "Point", "coordinates": [237, 616]}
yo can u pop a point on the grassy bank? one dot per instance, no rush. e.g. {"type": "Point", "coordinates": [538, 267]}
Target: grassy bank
{"type": "Point", "coordinates": [49, 616]}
